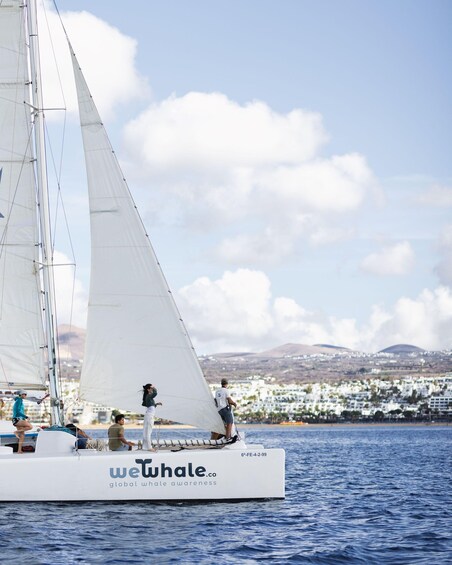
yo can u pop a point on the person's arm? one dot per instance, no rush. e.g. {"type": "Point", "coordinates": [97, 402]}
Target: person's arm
{"type": "Point", "coordinates": [36, 399]}
{"type": "Point", "coordinates": [153, 394]}
{"type": "Point", "coordinates": [230, 401]}
{"type": "Point", "coordinates": [123, 440]}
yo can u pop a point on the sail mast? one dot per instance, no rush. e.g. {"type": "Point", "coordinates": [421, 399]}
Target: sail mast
{"type": "Point", "coordinates": [44, 214]}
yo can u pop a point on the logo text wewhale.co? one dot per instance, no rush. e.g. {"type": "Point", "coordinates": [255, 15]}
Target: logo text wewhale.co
{"type": "Point", "coordinates": [147, 470]}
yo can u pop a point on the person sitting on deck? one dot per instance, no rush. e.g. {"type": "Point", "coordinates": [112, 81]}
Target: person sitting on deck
{"type": "Point", "coordinates": [116, 439]}
{"type": "Point", "coordinates": [20, 419]}
{"type": "Point", "coordinates": [82, 437]}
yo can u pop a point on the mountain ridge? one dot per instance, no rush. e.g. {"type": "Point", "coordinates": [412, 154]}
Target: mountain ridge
{"type": "Point", "coordinates": [72, 341]}
{"type": "Point", "coordinates": [298, 349]}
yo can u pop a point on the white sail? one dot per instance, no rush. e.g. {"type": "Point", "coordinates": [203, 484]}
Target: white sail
{"type": "Point", "coordinates": [21, 333]}
{"type": "Point", "coordinates": [134, 335]}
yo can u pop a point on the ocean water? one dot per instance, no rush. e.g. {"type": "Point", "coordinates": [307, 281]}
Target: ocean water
{"type": "Point", "coordinates": [354, 495]}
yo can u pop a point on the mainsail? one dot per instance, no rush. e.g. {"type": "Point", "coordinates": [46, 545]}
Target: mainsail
{"type": "Point", "coordinates": [135, 334]}
{"type": "Point", "coordinates": [22, 357]}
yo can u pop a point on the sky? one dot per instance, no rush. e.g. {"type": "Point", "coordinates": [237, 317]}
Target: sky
{"type": "Point", "coordinates": [290, 160]}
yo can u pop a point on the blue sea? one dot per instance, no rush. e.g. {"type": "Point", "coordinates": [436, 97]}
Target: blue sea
{"type": "Point", "coordinates": [370, 494]}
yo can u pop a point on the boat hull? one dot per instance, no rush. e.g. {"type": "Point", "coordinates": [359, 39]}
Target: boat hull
{"type": "Point", "coordinates": [186, 475]}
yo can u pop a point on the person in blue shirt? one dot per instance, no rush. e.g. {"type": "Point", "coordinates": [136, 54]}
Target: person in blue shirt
{"type": "Point", "coordinates": [82, 437]}
{"type": "Point", "coordinates": [20, 419]}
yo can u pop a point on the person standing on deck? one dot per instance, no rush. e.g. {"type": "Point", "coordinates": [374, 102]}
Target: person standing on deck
{"type": "Point", "coordinates": [149, 394]}
{"type": "Point", "coordinates": [224, 402]}
{"type": "Point", "coordinates": [20, 419]}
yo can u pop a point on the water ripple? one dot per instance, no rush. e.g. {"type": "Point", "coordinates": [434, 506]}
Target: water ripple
{"type": "Point", "coordinates": [354, 495]}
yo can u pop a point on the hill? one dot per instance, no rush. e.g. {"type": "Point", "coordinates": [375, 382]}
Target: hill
{"type": "Point", "coordinates": [290, 362]}
{"type": "Point", "coordinates": [286, 350]}
{"type": "Point", "coordinates": [71, 342]}
{"type": "Point", "coordinates": [402, 349]}
{"type": "Point", "coordinates": [298, 350]}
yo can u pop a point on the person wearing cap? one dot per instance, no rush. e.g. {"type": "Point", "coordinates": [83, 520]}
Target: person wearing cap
{"type": "Point", "coordinates": [224, 403]}
{"type": "Point", "coordinates": [20, 419]}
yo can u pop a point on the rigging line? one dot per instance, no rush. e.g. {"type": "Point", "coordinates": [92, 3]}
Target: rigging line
{"type": "Point", "coordinates": [52, 356]}
{"type": "Point", "coordinates": [60, 200]}
{"type": "Point", "coordinates": [53, 51]}
{"type": "Point", "coordinates": [70, 327]}
{"type": "Point", "coordinates": [58, 356]}
{"type": "Point", "coordinates": [4, 374]}
{"type": "Point", "coordinates": [58, 178]}
{"type": "Point", "coordinates": [58, 174]}
{"type": "Point", "coordinates": [159, 425]}
{"type": "Point", "coordinates": [61, 21]}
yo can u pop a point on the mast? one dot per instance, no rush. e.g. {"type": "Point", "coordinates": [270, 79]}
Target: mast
{"type": "Point", "coordinates": [44, 215]}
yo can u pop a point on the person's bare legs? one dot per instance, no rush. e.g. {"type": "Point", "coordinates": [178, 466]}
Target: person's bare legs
{"type": "Point", "coordinates": [22, 426]}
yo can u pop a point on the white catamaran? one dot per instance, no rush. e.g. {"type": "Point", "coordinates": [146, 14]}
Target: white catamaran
{"type": "Point", "coordinates": [134, 334]}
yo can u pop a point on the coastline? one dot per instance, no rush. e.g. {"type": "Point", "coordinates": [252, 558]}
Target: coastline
{"type": "Point", "coordinates": [284, 426]}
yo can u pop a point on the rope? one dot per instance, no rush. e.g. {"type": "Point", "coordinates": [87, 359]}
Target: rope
{"type": "Point", "coordinates": [191, 442]}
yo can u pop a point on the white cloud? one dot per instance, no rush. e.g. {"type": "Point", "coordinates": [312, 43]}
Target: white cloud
{"type": "Point", "coordinates": [444, 267]}
{"type": "Point", "coordinates": [238, 313]}
{"type": "Point", "coordinates": [333, 185]}
{"type": "Point", "coordinates": [425, 321]}
{"type": "Point", "coordinates": [266, 247]}
{"type": "Point", "coordinates": [293, 320]}
{"type": "Point", "coordinates": [106, 56]}
{"type": "Point", "coordinates": [215, 162]}
{"type": "Point", "coordinates": [210, 132]}
{"type": "Point", "coordinates": [397, 259]}
{"type": "Point", "coordinates": [248, 167]}
{"type": "Point", "coordinates": [235, 305]}
{"type": "Point", "coordinates": [325, 235]}
{"type": "Point", "coordinates": [437, 195]}
{"type": "Point", "coordinates": [71, 297]}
